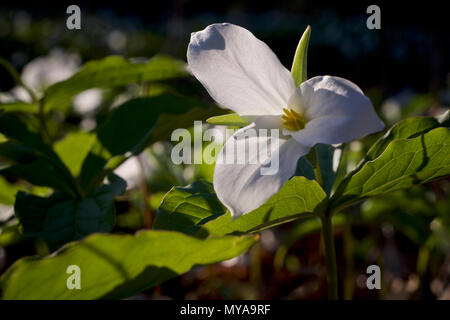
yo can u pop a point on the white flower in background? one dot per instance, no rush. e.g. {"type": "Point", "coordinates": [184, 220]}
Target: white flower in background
{"type": "Point", "coordinates": [87, 101]}
{"type": "Point", "coordinates": [44, 71]}
{"type": "Point", "coordinates": [6, 212]}
{"type": "Point", "coordinates": [134, 170]}
{"type": "Point", "coordinates": [241, 73]}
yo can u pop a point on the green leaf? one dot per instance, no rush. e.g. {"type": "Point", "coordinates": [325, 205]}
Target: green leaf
{"type": "Point", "coordinates": [403, 163]}
{"type": "Point", "coordinates": [129, 128]}
{"type": "Point", "coordinates": [138, 123]}
{"type": "Point", "coordinates": [192, 207]}
{"type": "Point", "coordinates": [10, 234]}
{"type": "Point", "coordinates": [117, 266]}
{"type": "Point", "coordinates": [92, 169]}
{"type": "Point", "coordinates": [231, 120]}
{"type": "Point", "coordinates": [59, 219]}
{"type": "Point", "coordinates": [298, 198]}
{"type": "Point", "coordinates": [406, 129]}
{"type": "Point", "coordinates": [30, 158]}
{"type": "Point", "coordinates": [19, 107]}
{"type": "Point", "coordinates": [299, 65]}
{"type": "Point", "coordinates": [36, 167]}
{"type": "Point", "coordinates": [185, 209]}
{"type": "Point", "coordinates": [17, 127]}
{"type": "Point", "coordinates": [111, 72]}
{"type": "Point", "coordinates": [73, 149]}
{"type": "Point", "coordinates": [8, 191]}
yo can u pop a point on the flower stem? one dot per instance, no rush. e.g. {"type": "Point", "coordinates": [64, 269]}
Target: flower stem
{"type": "Point", "coordinates": [328, 239]}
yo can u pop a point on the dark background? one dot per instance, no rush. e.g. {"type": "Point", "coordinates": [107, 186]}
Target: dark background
{"type": "Point", "coordinates": [411, 49]}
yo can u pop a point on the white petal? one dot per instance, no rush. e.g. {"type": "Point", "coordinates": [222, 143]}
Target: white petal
{"type": "Point", "coordinates": [239, 71]}
{"type": "Point", "coordinates": [242, 187]}
{"type": "Point", "coordinates": [337, 111]}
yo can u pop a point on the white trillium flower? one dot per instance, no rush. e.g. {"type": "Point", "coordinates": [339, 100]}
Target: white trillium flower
{"type": "Point", "coordinates": [42, 72]}
{"type": "Point", "coordinates": [241, 73]}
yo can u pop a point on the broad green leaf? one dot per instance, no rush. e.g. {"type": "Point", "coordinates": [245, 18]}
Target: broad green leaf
{"type": "Point", "coordinates": [174, 118]}
{"type": "Point", "coordinates": [73, 149]}
{"type": "Point", "coordinates": [93, 164]}
{"type": "Point", "coordinates": [299, 197]}
{"type": "Point", "coordinates": [138, 123]}
{"type": "Point", "coordinates": [186, 208]}
{"type": "Point", "coordinates": [36, 167]}
{"type": "Point", "coordinates": [10, 234]}
{"type": "Point", "coordinates": [129, 128]}
{"type": "Point", "coordinates": [19, 107]}
{"type": "Point", "coordinates": [17, 127]}
{"type": "Point", "coordinates": [403, 163]}
{"type": "Point", "coordinates": [231, 120]}
{"type": "Point", "coordinates": [299, 65]}
{"type": "Point", "coordinates": [8, 191]}
{"type": "Point", "coordinates": [59, 219]}
{"type": "Point", "coordinates": [112, 72]}
{"type": "Point", "coordinates": [193, 207]}
{"type": "Point", "coordinates": [30, 158]}
{"type": "Point", "coordinates": [406, 129]}
{"type": "Point", "coordinates": [117, 266]}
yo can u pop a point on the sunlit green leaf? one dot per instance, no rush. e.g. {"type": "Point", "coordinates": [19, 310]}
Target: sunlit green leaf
{"type": "Point", "coordinates": [91, 173]}
{"type": "Point", "coordinates": [117, 266]}
{"type": "Point", "coordinates": [73, 149]}
{"type": "Point", "coordinates": [8, 191]}
{"type": "Point", "coordinates": [10, 234]}
{"type": "Point", "coordinates": [130, 127]}
{"type": "Point", "coordinates": [403, 163]}
{"type": "Point", "coordinates": [186, 208]}
{"type": "Point", "coordinates": [36, 167]}
{"type": "Point", "coordinates": [299, 197]}
{"type": "Point", "coordinates": [19, 107]}
{"type": "Point", "coordinates": [190, 208]}
{"type": "Point", "coordinates": [231, 120]}
{"type": "Point", "coordinates": [138, 123]}
{"type": "Point", "coordinates": [406, 129]}
{"type": "Point", "coordinates": [112, 72]}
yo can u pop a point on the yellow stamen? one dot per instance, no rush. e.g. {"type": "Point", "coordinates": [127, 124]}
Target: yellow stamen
{"type": "Point", "coordinates": [292, 120]}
